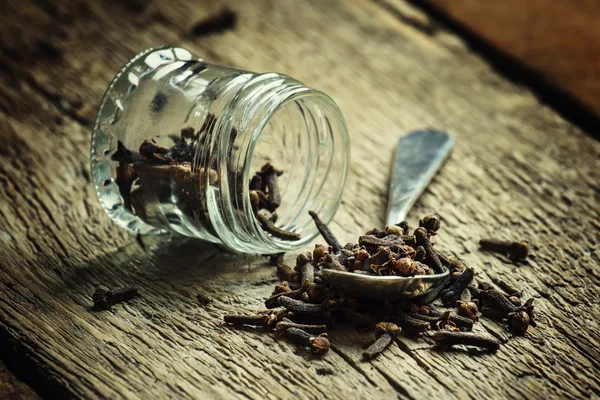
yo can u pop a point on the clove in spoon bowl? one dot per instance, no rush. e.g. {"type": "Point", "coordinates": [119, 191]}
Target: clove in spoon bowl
{"type": "Point", "coordinates": [418, 157]}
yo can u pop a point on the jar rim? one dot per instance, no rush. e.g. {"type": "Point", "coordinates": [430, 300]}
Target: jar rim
{"type": "Point", "coordinates": [298, 92]}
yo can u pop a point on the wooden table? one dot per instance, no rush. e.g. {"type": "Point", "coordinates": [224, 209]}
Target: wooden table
{"type": "Point", "coordinates": [518, 171]}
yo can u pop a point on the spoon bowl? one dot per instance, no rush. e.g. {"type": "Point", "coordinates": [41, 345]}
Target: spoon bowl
{"type": "Point", "coordinates": [383, 287]}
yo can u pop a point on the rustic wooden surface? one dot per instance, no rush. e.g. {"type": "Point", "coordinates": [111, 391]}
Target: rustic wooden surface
{"type": "Point", "coordinates": [518, 171]}
{"type": "Point", "coordinates": [556, 41]}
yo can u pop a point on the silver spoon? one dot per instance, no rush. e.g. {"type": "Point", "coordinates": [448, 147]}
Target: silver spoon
{"type": "Point", "coordinates": [418, 157]}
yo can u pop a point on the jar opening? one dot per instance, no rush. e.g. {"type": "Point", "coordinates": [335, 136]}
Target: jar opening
{"type": "Point", "coordinates": [303, 135]}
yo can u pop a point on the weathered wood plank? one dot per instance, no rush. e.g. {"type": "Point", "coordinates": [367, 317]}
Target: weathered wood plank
{"type": "Point", "coordinates": [518, 171]}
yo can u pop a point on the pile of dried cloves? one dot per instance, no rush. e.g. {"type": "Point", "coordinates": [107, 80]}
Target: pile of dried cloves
{"type": "Point", "coordinates": [303, 306]}
{"type": "Point", "coordinates": [392, 251]}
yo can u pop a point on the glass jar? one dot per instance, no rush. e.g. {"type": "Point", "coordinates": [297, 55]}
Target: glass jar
{"type": "Point", "coordinates": [177, 141]}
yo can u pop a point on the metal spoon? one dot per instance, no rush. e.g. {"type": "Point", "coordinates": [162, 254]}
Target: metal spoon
{"type": "Point", "coordinates": [418, 157]}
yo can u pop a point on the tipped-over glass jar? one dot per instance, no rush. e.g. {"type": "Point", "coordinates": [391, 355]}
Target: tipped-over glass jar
{"type": "Point", "coordinates": [178, 142]}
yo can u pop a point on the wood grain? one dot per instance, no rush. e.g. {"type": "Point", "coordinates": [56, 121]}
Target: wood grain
{"type": "Point", "coordinates": [518, 171]}
{"type": "Point", "coordinates": [554, 43]}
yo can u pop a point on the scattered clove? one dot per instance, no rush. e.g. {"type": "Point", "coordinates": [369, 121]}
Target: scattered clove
{"type": "Point", "coordinates": [460, 322]}
{"type": "Point", "coordinates": [452, 294]}
{"type": "Point", "coordinates": [284, 325]}
{"type": "Point", "coordinates": [284, 271]}
{"type": "Point", "coordinates": [318, 344]}
{"type": "Point", "coordinates": [410, 324]}
{"type": "Point", "coordinates": [518, 322]}
{"type": "Point", "coordinates": [509, 289]}
{"type": "Point", "coordinates": [269, 175]}
{"type": "Point", "coordinates": [468, 309]}
{"type": "Point", "coordinates": [431, 256]}
{"type": "Point", "coordinates": [301, 307]}
{"type": "Point", "coordinates": [307, 269]}
{"type": "Point", "coordinates": [433, 293]}
{"type": "Point", "coordinates": [320, 252]}
{"type": "Point", "coordinates": [224, 20]}
{"type": "Point", "coordinates": [203, 299]}
{"type": "Point", "coordinates": [517, 251]}
{"type": "Point", "coordinates": [404, 226]}
{"type": "Point", "coordinates": [431, 223]}
{"type": "Point", "coordinates": [317, 292]}
{"type": "Point", "coordinates": [385, 332]}
{"type": "Point", "coordinates": [326, 233]}
{"type": "Point", "coordinates": [420, 254]}
{"type": "Point", "coordinates": [492, 298]}
{"type": "Point", "coordinates": [496, 305]}
{"type": "Point", "coordinates": [516, 300]}
{"type": "Point", "coordinates": [331, 262]}
{"type": "Point", "coordinates": [447, 339]}
{"type": "Point", "coordinates": [273, 301]}
{"type": "Point", "coordinates": [275, 316]}
{"type": "Point", "coordinates": [281, 288]}
{"type": "Point", "coordinates": [104, 299]}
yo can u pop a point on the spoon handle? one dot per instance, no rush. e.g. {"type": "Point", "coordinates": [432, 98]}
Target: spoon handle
{"type": "Point", "coordinates": [418, 157]}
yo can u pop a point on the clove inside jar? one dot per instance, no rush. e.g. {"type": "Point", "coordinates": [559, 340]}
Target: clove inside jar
{"type": "Point", "coordinates": [177, 141]}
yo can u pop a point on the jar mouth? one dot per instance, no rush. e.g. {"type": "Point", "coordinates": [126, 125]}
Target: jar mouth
{"type": "Point", "coordinates": [305, 136]}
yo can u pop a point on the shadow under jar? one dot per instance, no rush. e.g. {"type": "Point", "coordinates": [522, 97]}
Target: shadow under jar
{"type": "Point", "coordinates": [177, 140]}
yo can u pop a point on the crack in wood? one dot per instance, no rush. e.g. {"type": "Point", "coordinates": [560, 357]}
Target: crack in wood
{"type": "Point", "coordinates": [426, 368]}
{"type": "Point", "coordinates": [394, 383]}
{"type": "Point", "coordinates": [352, 364]}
